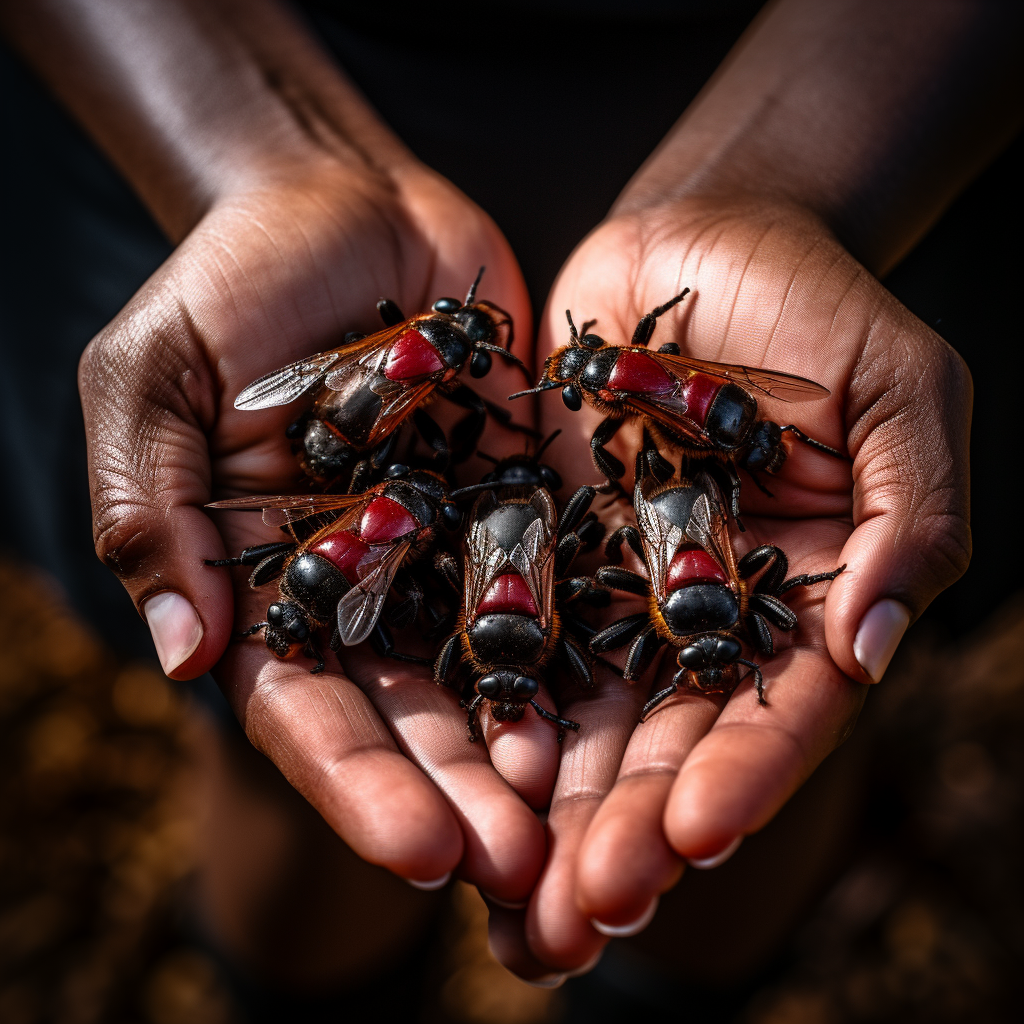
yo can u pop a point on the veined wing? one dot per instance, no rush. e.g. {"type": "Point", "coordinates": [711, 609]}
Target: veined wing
{"type": "Point", "coordinates": [281, 509]}
{"type": "Point", "coordinates": [360, 606]}
{"type": "Point", "coordinates": [285, 385]}
{"type": "Point", "coordinates": [785, 387]}
{"type": "Point", "coordinates": [660, 538]}
{"type": "Point", "coordinates": [708, 526]}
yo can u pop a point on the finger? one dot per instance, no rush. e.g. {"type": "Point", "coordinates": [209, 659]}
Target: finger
{"type": "Point", "coordinates": [910, 435]}
{"type": "Point", "coordinates": [328, 741]}
{"type": "Point", "coordinates": [754, 758]}
{"type": "Point", "coordinates": [559, 934]}
{"type": "Point", "coordinates": [625, 860]}
{"type": "Point", "coordinates": [525, 753]}
{"type": "Point", "coordinates": [148, 398]}
{"type": "Point", "coordinates": [503, 841]}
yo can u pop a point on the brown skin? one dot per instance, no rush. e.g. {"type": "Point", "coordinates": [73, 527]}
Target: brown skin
{"type": "Point", "coordinates": [834, 124]}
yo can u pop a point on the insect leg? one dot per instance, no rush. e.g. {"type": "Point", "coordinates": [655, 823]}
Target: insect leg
{"type": "Point", "coordinates": [471, 427]}
{"type": "Point", "coordinates": [645, 328]}
{"type": "Point", "coordinates": [603, 459]}
{"type": "Point", "coordinates": [471, 710]}
{"type": "Point", "coordinates": [758, 679]}
{"type": "Point", "coordinates": [652, 461]}
{"type": "Point", "coordinates": [313, 652]}
{"type": "Point", "coordinates": [760, 486]}
{"type": "Point", "coordinates": [562, 723]}
{"type": "Point", "coordinates": [383, 644]}
{"type": "Point", "coordinates": [733, 480]}
{"type": "Point", "coordinates": [760, 634]}
{"type": "Point", "coordinates": [575, 509]}
{"type": "Point", "coordinates": [623, 579]}
{"type": "Point", "coordinates": [620, 633]}
{"type": "Point", "coordinates": [765, 555]}
{"type": "Point", "coordinates": [447, 565]}
{"type": "Point", "coordinates": [660, 697]}
{"type": "Point", "coordinates": [629, 534]}
{"type": "Point", "coordinates": [566, 552]}
{"type": "Point", "coordinates": [808, 580]}
{"type": "Point", "coordinates": [382, 453]}
{"type": "Point", "coordinates": [447, 660]}
{"type": "Point", "coordinates": [434, 437]}
{"type": "Point", "coordinates": [641, 653]}
{"type": "Point", "coordinates": [590, 531]}
{"type": "Point", "coordinates": [801, 436]}
{"type": "Point", "coordinates": [389, 312]}
{"type": "Point", "coordinates": [773, 610]}
{"type": "Point", "coordinates": [254, 555]}
{"type": "Point", "coordinates": [251, 631]}
{"type": "Point", "coordinates": [572, 654]}
{"type": "Point", "coordinates": [405, 612]}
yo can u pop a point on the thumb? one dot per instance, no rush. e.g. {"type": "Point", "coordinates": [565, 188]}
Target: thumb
{"type": "Point", "coordinates": [148, 398]}
{"type": "Point", "coordinates": [910, 404]}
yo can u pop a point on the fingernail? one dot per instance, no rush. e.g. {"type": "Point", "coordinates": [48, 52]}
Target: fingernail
{"type": "Point", "coordinates": [588, 966]}
{"type": "Point", "coordinates": [505, 904]}
{"type": "Point", "coordinates": [706, 863]}
{"type": "Point", "coordinates": [879, 635]}
{"type": "Point", "coordinates": [437, 883]}
{"type": "Point", "coordinates": [547, 981]}
{"type": "Point", "coordinates": [176, 628]}
{"type": "Point", "coordinates": [621, 931]}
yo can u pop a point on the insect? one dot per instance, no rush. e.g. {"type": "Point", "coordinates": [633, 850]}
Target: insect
{"type": "Point", "coordinates": [371, 384]}
{"type": "Point", "coordinates": [700, 599]}
{"type": "Point", "coordinates": [517, 613]}
{"type": "Point", "coordinates": [342, 573]}
{"type": "Point", "coordinates": [699, 408]}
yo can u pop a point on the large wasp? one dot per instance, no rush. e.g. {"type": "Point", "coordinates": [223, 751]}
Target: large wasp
{"type": "Point", "coordinates": [517, 614]}
{"type": "Point", "coordinates": [371, 384]}
{"type": "Point", "coordinates": [698, 408]}
{"type": "Point", "coordinates": [701, 600]}
{"type": "Point", "coordinates": [342, 573]}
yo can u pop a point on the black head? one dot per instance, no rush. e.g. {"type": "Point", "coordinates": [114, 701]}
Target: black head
{"type": "Point", "coordinates": [766, 452]}
{"type": "Point", "coordinates": [487, 327]}
{"type": "Point", "coordinates": [508, 692]}
{"type": "Point", "coordinates": [517, 471]}
{"type": "Point", "coordinates": [287, 628]}
{"type": "Point", "coordinates": [709, 657]}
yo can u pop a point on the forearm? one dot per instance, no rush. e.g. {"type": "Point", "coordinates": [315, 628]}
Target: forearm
{"type": "Point", "coordinates": [872, 114]}
{"type": "Point", "coordinates": [195, 99]}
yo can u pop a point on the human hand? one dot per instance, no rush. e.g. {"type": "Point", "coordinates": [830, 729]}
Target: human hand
{"type": "Point", "coordinates": [772, 287]}
{"type": "Point", "coordinates": [268, 275]}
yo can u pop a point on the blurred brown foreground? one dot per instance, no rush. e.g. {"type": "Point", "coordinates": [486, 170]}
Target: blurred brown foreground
{"type": "Point", "coordinates": [97, 848]}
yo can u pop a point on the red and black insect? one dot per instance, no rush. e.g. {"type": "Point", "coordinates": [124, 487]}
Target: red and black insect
{"type": "Point", "coordinates": [342, 573]}
{"type": "Point", "coordinates": [700, 599]}
{"type": "Point", "coordinates": [371, 384]}
{"type": "Point", "coordinates": [518, 610]}
{"type": "Point", "coordinates": [698, 408]}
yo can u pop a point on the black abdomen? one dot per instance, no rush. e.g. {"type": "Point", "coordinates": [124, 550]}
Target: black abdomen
{"type": "Point", "coordinates": [699, 608]}
{"type": "Point", "coordinates": [504, 639]}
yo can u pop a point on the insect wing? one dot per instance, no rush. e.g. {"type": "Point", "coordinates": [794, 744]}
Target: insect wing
{"type": "Point", "coordinates": [708, 526]}
{"type": "Point", "coordinates": [360, 607]}
{"type": "Point", "coordinates": [285, 385]}
{"type": "Point", "coordinates": [659, 537]}
{"type": "Point", "coordinates": [281, 509]}
{"type": "Point", "coordinates": [672, 416]}
{"type": "Point", "coordinates": [785, 387]}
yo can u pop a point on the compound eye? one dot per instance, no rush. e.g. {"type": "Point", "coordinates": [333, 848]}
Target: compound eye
{"type": "Point", "coordinates": [298, 630]}
{"type": "Point", "coordinates": [572, 397]}
{"type": "Point", "coordinates": [692, 657]}
{"type": "Point", "coordinates": [525, 686]}
{"type": "Point", "coordinates": [447, 305]}
{"type": "Point", "coordinates": [727, 649]}
{"type": "Point", "coordinates": [452, 517]}
{"type": "Point", "coordinates": [480, 364]}
{"type": "Point", "coordinates": [275, 615]}
{"type": "Point", "coordinates": [396, 469]}
{"type": "Point", "coordinates": [592, 341]}
{"type": "Point", "coordinates": [489, 686]}
{"type": "Point", "coordinates": [551, 479]}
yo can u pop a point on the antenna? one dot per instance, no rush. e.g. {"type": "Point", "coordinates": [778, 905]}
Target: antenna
{"type": "Point", "coordinates": [546, 386]}
{"type": "Point", "coordinates": [471, 294]}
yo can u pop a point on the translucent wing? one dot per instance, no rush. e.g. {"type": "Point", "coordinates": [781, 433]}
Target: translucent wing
{"type": "Point", "coordinates": [285, 385]}
{"type": "Point", "coordinates": [280, 509]}
{"type": "Point", "coordinates": [360, 607]}
{"type": "Point", "coordinates": [708, 526]}
{"type": "Point", "coordinates": [785, 387]}
{"type": "Point", "coordinates": [660, 538]}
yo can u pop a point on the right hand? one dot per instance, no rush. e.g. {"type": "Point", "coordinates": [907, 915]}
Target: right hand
{"type": "Point", "coordinates": [267, 276]}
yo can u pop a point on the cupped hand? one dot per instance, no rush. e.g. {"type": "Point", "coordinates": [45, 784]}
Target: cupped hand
{"type": "Point", "coordinates": [267, 276]}
{"type": "Point", "coordinates": [772, 288]}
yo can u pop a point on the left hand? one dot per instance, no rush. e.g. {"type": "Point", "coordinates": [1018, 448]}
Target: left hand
{"type": "Point", "coordinates": [772, 288]}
